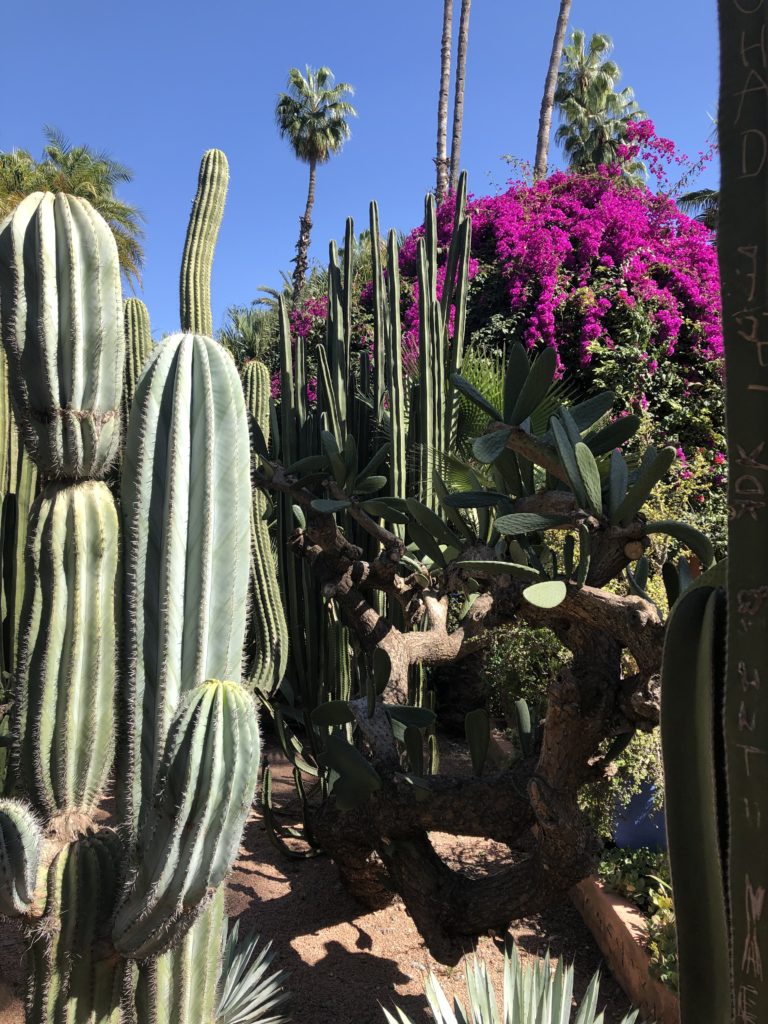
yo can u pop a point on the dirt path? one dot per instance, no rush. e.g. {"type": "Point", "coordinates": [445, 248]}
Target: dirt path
{"type": "Point", "coordinates": [343, 962]}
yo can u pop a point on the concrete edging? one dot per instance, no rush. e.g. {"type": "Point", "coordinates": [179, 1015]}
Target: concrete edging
{"type": "Point", "coordinates": [618, 929]}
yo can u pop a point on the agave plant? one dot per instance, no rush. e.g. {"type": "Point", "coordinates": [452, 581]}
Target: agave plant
{"type": "Point", "coordinates": [249, 994]}
{"type": "Point", "coordinates": [533, 994]}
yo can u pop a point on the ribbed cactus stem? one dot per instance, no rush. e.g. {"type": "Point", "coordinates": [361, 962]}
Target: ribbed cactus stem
{"type": "Point", "coordinates": [203, 230]}
{"type": "Point", "coordinates": [67, 668]}
{"type": "Point", "coordinates": [21, 841]}
{"type": "Point", "coordinates": [70, 977]}
{"type": "Point", "coordinates": [138, 346]}
{"type": "Point", "coordinates": [181, 986]}
{"type": "Point", "coordinates": [189, 836]}
{"type": "Point", "coordinates": [187, 509]}
{"type": "Point", "coordinates": [268, 632]}
{"type": "Point", "coordinates": [62, 328]}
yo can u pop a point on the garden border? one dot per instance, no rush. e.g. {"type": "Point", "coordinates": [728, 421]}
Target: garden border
{"type": "Point", "coordinates": [618, 930]}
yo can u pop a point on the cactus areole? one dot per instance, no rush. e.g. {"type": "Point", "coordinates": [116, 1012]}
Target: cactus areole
{"type": "Point", "coordinates": [743, 253]}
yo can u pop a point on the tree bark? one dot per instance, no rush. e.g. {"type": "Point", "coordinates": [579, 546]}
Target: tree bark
{"type": "Point", "coordinates": [441, 160]}
{"type": "Point", "coordinates": [305, 230]}
{"type": "Point", "coordinates": [458, 101]}
{"type": "Point", "coordinates": [548, 99]}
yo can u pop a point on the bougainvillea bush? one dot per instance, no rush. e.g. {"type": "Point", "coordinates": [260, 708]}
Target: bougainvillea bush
{"type": "Point", "coordinates": [621, 283]}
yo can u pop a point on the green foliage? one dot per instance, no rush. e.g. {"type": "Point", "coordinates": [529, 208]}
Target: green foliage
{"type": "Point", "coordinates": [249, 994]}
{"type": "Point", "coordinates": [533, 994]}
{"type": "Point", "coordinates": [79, 171]}
{"type": "Point", "coordinates": [137, 908]}
{"type": "Point", "coordinates": [662, 937]}
{"type": "Point", "coordinates": [642, 876]}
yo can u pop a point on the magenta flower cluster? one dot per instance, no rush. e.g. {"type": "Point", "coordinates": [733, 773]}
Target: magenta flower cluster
{"type": "Point", "coordinates": [578, 252]}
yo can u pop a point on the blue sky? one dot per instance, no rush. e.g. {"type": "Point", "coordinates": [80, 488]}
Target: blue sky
{"type": "Point", "coordinates": [158, 83]}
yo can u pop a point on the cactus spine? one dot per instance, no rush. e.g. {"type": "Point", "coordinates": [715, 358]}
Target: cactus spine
{"type": "Point", "coordinates": [63, 333]}
{"type": "Point", "coordinates": [67, 669]}
{"type": "Point", "coordinates": [203, 230]}
{"type": "Point", "coordinates": [94, 900]}
{"type": "Point", "coordinates": [268, 631]}
{"type": "Point", "coordinates": [138, 347]}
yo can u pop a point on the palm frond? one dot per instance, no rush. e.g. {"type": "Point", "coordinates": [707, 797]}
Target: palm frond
{"type": "Point", "coordinates": [248, 993]}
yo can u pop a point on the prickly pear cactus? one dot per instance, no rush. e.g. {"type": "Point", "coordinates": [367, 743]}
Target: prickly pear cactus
{"type": "Point", "coordinates": [123, 923]}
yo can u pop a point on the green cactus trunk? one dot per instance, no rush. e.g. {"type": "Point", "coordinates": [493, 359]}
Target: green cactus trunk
{"type": "Point", "coordinates": [203, 230]}
{"type": "Point", "coordinates": [267, 651]}
{"type": "Point", "coordinates": [180, 986]}
{"type": "Point", "coordinates": [138, 347]}
{"type": "Point", "coordinates": [67, 666]}
{"type": "Point", "coordinates": [63, 334]}
{"type": "Point", "coordinates": [743, 254]}
{"type": "Point", "coordinates": [186, 502]}
{"type": "Point", "coordinates": [91, 899]}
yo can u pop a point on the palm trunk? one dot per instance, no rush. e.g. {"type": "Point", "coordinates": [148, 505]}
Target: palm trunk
{"type": "Point", "coordinates": [441, 161]}
{"type": "Point", "coordinates": [458, 103]}
{"type": "Point", "coordinates": [305, 230]}
{"type": "Point", "coordinates": [548, 99]}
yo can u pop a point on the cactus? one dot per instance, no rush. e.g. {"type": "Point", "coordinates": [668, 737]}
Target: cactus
{"type": "Point", "coordinates": [138, 346]}
{"type": "Point", "coordinates": [21, 839]}
{"type": "Point", "coordinates": [186, 574]}
{"type": "Point", "coordinates": [727, 741]}
{"type": "Point", "coordinates": [124, 923]}
{"type": "Point", "coordinates": [268, 654]}
{"type": "Point", "coordinates": [63, 333]}
{"type": "Point", "coordinates": [203, 230]}
{"type": "Point", "coordinates": [66, 677]}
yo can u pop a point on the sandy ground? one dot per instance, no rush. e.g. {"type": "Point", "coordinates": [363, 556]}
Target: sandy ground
{"type": "Point", "coordinates": [344, 964]}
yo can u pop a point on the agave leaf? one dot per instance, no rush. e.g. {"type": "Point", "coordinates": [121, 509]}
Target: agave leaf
{"type": "Point", "coordinates": [589, 412]}
{"type": "Point", "coordinates": [334, 456]}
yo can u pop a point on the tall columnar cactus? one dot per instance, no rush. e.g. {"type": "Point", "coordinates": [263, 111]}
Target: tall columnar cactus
{"type": "Point", "coordinates": [123, 923]}
{"type": "Point", "coordinates": [138, 346]}
{"type": "Point", "coordinates": [718, 798]}
{"type": "Point", "coordinates": [67, 671]}
{"type": "Point", "coordinates": [203, 230]}
{"type": "Point", "coordinates": [268, 632]}
{"type": "Point", "coordinates": [63, 333]}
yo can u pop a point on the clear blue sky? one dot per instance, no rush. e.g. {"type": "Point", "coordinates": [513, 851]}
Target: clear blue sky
{"type": "Point", "coordinates": [158, 83]}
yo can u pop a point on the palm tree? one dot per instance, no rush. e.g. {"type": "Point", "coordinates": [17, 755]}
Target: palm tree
{"type": "Point", "coordinates": [441, 160]}
{"type": "Point", "coordinates": [312, 115]}
{"type": "Point", "coordinates": [458, 99]}
{"type": "Point", "coordinates": [548, 99]}
{"type": "Point", "coordinates": [79, 171]}
{"type": "Point", "coordinates": [594, 117]}
{"type": "Point", "coordinates": [703, 204]}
